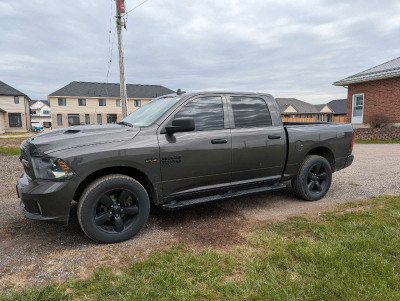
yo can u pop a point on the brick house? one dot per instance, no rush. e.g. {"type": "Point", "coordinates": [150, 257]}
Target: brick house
{"type": "Point", "coordinates": [373, 95]}
{"type": "Point", "coordinates": [14, 110]}
{"type": "Point", "coordinates": [97, 103]}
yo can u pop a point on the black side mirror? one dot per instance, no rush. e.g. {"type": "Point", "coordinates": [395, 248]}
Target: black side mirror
{"type": "Point", "coordinates": [181, 125]}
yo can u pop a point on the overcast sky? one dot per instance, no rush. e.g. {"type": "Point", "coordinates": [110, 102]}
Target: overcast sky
{"type": "Point", "coordinates": [292, 48]}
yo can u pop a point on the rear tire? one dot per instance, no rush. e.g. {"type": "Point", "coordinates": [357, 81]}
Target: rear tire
{"type": "Point", "coordinates": [113, 208]}
{"type": "Point", "coordinates": [313, 179]}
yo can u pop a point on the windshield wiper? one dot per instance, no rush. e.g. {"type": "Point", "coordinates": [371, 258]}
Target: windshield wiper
{"type": "Point", "coordinates": [125, 123]}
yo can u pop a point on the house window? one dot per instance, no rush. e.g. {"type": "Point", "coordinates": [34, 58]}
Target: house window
{"type": "Point", "coordinates": [73, 119]}
{"type": "Point", "coordinates": [45, 112]}
{"type": "Point", "coordinates": [102, 102]}
{"type": "Point", "coordinates": [14, 120]}
{"type": "Point", "coordinates": [111, 118]}
{"type": "Point", "coordinates": [118, 102]}
{"type": "Point", "coordinates": [99, 118]}
{"type": "Point", "coordinates": [321, 117]}
{"type": "Point", "coordinates": [59, 119]}
{"type": "Point", "coordinates": [87, 119]}
{"type": "Point", "coordinates": [62, 102]}
{"type": "Point", "coordinates": [16, 100]}
{"type": "Point", "coordinates": [82, 102]}
{"type": "Point", "coordinates": [138, 103]}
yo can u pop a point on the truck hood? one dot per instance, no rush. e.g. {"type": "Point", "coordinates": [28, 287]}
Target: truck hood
{"type": "Point", "coordinates": [77, 136]}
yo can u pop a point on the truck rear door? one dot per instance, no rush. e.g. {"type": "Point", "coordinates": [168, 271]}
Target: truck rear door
{"type": "Point", "coordinates": [258, 140]}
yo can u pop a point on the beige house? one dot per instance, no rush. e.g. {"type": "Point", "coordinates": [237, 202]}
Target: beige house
{"type": "Point", "coordinates": [293, 109]}
{"type": "Point", "coordinates": [14, 110]}
{"type": "Point", "coordinates": [325, 113]}
{"type": "Point", "coordinates": [97, 103]}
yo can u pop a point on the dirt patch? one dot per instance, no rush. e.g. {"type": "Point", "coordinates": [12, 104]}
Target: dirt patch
{"type": "Point", "coordinates": [11, 142]}
{"type": "Point", "coordinates": [206, 226]}
{"type": "Point", "coordinates": [234, 277]}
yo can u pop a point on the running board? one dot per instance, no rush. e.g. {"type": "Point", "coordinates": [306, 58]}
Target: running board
{"type": "Point", "coordinates": [187, 203]}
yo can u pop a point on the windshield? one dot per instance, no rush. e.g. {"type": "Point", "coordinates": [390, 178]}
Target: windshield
{"type": "Point", "coordinates": [151, 111]}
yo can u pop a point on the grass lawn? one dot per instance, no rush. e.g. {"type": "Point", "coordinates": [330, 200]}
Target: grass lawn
{"type": "Point", "coordinates": [10, 151]}
{"type": "Point", "coordinates": [377, 141]}
{"type": "Point", "coordinates": [350, 254]}
{"type": "Point", "coordinates": [13, 138]}
{"type": "Point", "coordinates": [14, 134]}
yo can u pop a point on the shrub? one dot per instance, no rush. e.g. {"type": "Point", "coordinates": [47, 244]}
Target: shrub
{"type": "Point", "coordinates": [377, 121]}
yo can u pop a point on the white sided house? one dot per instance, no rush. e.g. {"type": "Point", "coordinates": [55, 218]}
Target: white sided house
{"type": "Point", "coordinates": [40, 113]}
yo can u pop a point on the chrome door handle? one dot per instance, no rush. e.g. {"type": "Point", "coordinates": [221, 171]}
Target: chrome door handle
{"type": "Point", "coordinates": [274, 136]}
{"type": "Point", "coordinates": [219, 141]}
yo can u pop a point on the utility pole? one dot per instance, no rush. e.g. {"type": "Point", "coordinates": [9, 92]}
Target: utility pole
{"type": "Point", "coordinates": [120, 8]}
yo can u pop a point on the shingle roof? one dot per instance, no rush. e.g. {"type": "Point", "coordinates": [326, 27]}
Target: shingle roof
{"type": "Point", "coordinates": [300, 106]}
{"type": "Point", "coordinates": [46, 102]}
{"type": "Point", "coordinates": [339, 106]}
{"type": "Point", "coordinates": [92, 89]}
{"type": "Point", "coordinates": [385, 70]}
{"type": "Point", "coordinates": [8, 90]}
{"type": "Point", "coordinates": [319, 107]}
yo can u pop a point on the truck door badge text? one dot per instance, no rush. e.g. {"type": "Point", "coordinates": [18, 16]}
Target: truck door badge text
{"type": "Point", "coordinates": [169, 161]}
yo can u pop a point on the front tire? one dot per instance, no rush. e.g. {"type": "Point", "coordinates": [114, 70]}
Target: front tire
{"type": "Point", "coordinates": [313, 179]}
{"type": "Point", "coordinates": [113, 208]}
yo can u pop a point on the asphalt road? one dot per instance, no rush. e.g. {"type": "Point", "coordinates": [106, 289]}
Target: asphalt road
{"type": "Point", "coordinates": [34, 252]}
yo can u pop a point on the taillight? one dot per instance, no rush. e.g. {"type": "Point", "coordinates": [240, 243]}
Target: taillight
{"type": "Point", "coordinates": [352, 142]}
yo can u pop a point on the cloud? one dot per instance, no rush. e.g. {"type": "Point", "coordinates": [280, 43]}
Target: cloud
{"type": "Point", "coordinates": [286, 48]}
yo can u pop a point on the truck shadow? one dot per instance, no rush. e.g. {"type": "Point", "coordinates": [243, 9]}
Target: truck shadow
{"type": "Point", "coordinates": [218, 224]}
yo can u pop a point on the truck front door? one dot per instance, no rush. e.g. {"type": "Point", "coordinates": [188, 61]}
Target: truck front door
{"type": "Point", "coordinates": [258, 140]}
{"type": "Point", "coordinates": [198, 160]}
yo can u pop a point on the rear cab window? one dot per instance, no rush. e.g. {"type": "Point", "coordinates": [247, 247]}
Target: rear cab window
{"type": "Point", "coordinates": [250, 112]}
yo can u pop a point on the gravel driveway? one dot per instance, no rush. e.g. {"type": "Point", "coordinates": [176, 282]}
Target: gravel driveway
{"type": "Point", "coordinates": [35, 252]}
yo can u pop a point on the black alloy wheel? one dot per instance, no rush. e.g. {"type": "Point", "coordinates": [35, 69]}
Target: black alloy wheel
{"type": "Point", "coordinates": [113, 208]}
{"type": "Point", "coordinates": [313, 178]}
{"type": "Point", "coordinates": [116, 210]}
{"type": "Point", "coordinates": [317, 178]}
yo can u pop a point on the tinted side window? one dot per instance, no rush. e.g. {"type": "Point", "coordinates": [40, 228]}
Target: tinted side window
{"type": "Point", "coordinates": [207, 112]}
{"type": "Point", "coordinates": [250, 112]}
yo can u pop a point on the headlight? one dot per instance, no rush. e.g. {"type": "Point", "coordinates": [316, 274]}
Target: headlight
{"type": "Point", "coordinates": [51, 169]}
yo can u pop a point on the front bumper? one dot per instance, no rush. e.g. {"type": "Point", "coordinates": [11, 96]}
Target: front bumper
{"type": "Point", "coordinates": [46, 200]}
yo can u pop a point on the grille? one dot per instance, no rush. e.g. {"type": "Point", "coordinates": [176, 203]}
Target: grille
{"type": "Point", "coordinates": [26, 160]}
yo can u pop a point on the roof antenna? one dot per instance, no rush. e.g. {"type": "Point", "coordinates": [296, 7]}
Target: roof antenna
{"type": "Point", "coordinates": [180, 92]}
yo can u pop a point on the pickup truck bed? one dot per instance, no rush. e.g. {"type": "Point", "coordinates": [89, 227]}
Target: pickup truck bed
{"type": "Point", "coordinates": [330, 140]}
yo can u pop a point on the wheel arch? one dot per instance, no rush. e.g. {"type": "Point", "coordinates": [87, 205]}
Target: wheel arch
{"type": "Point", "coordinates": [325, 152]}
{"type": "Point", "coordinates": [132, 172]}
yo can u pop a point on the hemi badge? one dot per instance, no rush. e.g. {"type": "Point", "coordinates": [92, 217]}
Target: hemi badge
{"type": "Point", "coordinates": [150, 160]}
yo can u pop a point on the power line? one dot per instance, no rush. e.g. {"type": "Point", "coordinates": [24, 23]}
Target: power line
{"type": "Point", "coordinates": [110, 51]}
{"type": "Point", "coordinates": [109, 30]}
{"type": "Point", "coordinates": [136, 6]}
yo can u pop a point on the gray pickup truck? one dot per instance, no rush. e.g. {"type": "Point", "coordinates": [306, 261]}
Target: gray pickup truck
{"type": "Point", "coordinates": [176, 151]}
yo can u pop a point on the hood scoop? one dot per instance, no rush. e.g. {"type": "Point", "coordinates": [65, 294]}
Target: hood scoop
{"type": "Point", "coordinates": [71, 131]}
